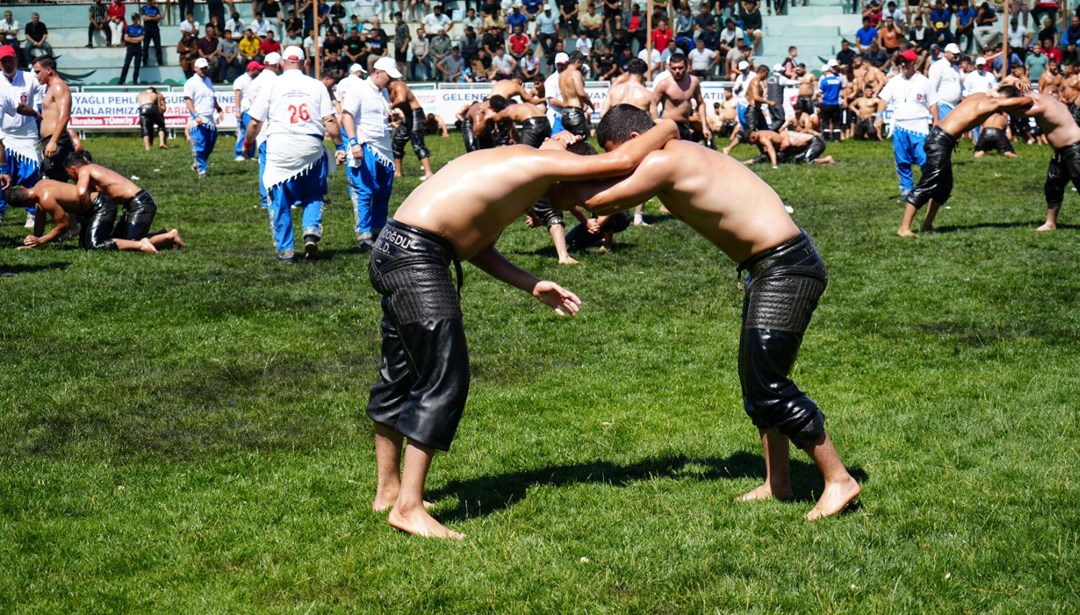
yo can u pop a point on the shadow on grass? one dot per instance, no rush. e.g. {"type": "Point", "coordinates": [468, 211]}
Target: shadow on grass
{"type": "Point", "coordinates": [487, 494]}
{"type": "Point", "coordinates": [12, 270]}
{"type": "Point", "coordinates": [999, 225]}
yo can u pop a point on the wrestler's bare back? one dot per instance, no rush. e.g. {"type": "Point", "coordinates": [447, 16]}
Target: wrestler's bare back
{"type": "Point", "coordinates": [972, 112]}
{"type": "Point", "coordinates": [520, 112]}
{"type": "Point", "coordinates": [716, 196]}
{"type": "Point", "coordinates": [114, 185]}
{"type": "Point", "coordinates": [572, 85]}
{"type": "Point", "coordinates": [631, 92]}
{"type": "Point", "coordinates": [64, 194]}
{"type": "Point", "coordinates": [402, 97]}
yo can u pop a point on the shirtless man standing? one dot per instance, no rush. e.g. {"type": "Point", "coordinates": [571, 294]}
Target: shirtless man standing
{"type": "Point", "coordinates": [1062, 133]}
{"type": "Point", "coordinates": [152, 117]}
{"type": "Point", "coordinates": [680, 95]}
{"type": "Point", "coordinates": [509, 88]}
{"type": "Point", "coordinates": [868, 75]}
{"type": "Point", "coordinates": [1050, 81]}
{"type": "Point", "coordinates": [807, 89]}
{"type": "Point", "coordinates": [747, 221]}
{"type": "Point", "coordinates": [867, 121]}
{"type": "Point", "coordinates": [456, 215]}
{"type": "Point", "coordinates": [632, 90]}
{"type": "Point", "coordinates": [411, 128]}
{"type": "Point", "coordinates": [58, 199]}
{"type": "Point", "coordinates": [54, 116]}
{"type": "Point", "coordinates": [755, 95]}
{"type": "Point", "coordinates": [576, 106]}
{"type": "Point", "coordinates": [935, 185]}
{"type": "Point", "coordinates": [1070, 89]}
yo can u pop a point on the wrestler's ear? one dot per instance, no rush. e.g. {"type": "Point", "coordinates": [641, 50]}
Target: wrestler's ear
{"type": "Point", "coordinates": [634, 135]}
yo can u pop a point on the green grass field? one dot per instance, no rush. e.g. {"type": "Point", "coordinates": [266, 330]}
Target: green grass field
{"type": "Point", "coordinates": [185, 432]}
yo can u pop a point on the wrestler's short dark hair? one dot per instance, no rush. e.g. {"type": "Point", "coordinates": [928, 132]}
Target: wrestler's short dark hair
{"type": "Point", "coordinates": [18, 196]}
{"type": "Point", "coordinates": [582, 148]}
{"type": "Point", "coordinates": [637, 66]}
{"type": "Point", "coordinates": [77, 159]}
{"type": "Point", "coordinates": [1010, 91]}
{"type": "Point", "coordinates": [45, 62]}
{"type": "Point", "coordinates": [576, 56]}
{"type": "Point", "coordinates": [497, 102]}
{"type": "Point", "coordinates": [677, 58]}
{"type": "Point", "coordinates": [619, 122]}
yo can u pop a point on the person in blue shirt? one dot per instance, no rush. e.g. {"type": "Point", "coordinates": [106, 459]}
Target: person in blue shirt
{"type": "Point", "coordinates": [865, 35]}
{"type": "Point", "coordinates": [133, 40]}
{"type": "Point", "coordinates": [940, 14]}
{"type": "Point", "coordinates": [965, 26]}
{"type": "Point", "coordinates": [829, 111]}
{"type": "Point", "coordinates": [533, 7]}
{"type": "Point", "coordinates": [516, 18]}
{"type": "Point", "coordinates": [151, 15]}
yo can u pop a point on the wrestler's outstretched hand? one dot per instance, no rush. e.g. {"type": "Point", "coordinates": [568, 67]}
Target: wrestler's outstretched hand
{"type": "Point", "coordinates": [561, 300]}
{"type": "Point", "coordinates": [563, 139]}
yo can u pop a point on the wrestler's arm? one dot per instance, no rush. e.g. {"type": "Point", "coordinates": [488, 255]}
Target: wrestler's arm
{"type": "Point", "coordinates": [528, 97]}
{"type": "Point", "coordinates": [614, 195]}
{"type": "Point", "coordinates": [492, 262]}
{"type": "Point", "coordinates": [562, 165]}
{"type": "Point", "coordinates": [703, 112]}
{"type": "Point", "coordinates": [49, 205]}
{"type": "Point", "coordinates": [82, 186]}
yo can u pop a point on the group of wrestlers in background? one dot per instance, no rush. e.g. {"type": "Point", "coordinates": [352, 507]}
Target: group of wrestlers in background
{"type": "Point", "coordinates": [97, 195]}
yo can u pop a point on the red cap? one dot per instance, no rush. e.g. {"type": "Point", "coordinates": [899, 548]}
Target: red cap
{"type": "Point", "coordinates": [909, 56]}
{"type": "Point", "coordinates": [7, 51]}
{"type": "Point", "coordinates": [254, 65]}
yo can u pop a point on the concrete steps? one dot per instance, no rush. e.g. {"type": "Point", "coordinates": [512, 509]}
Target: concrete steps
{"type": "Point", "coordinates": [815, 29]}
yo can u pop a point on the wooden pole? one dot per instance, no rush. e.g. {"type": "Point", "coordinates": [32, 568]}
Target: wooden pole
{"type": "Point", "coordinates": [648, 37]}
{"type": "Point", "coordinates": [1005, 44]}
{"type": "Point", "coordinates": [317, 60]}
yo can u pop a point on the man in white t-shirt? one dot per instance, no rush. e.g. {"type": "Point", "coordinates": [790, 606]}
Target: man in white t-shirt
{"type": "Point", "coordinates": [654, 59]}
{"type": "Point", "coordinates": [438, 19]}
{"type": "Point", "coordinates": [356, 75]}
{"type": "Point", "coordinates": [297, 114]}
{"type": "Point", "coordinates": [908, 97]}
{"type": "Point", "coordinates": [702, 60]}
{"type": "Point", "coordinates": [979, 81]}
{"type": "Point", "coordinates": [365, 116]}
{"type": "Point", "coordinates": [20, 132]}
{"type": "Point", "coordinates": [242, 103]}
{"type": "Point", "coordinates": [201, 104]}
{"type": "Point", "coordinates": [553, 93]}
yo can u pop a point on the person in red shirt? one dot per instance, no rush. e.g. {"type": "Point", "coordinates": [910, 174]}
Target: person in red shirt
{"type": "Point", "coordinates": [518, 43]}
{"type": "Point", "coordinates": [269, 45]}
{"type": "Point", "coordinates": [1053, 54]}
{"type": "Point", "coordinates": [661, 35]}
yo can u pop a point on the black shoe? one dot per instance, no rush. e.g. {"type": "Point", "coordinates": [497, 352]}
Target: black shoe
{"type": "Point", "coordinates": [311, 248]}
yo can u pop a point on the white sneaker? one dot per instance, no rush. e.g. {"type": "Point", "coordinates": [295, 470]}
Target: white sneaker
{"type": "Point", "coordinates": [239, 159]}
{"type": "Point", "coordinates": [29, 221]}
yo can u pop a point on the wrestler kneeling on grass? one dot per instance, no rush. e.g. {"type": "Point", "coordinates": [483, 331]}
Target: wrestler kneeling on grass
{"type": "Point", "coordinates": [95, 211]}
{"type": "Point", "coordinates": [424, 374]}
{"type": "Point", "coordinates": [747, 221]}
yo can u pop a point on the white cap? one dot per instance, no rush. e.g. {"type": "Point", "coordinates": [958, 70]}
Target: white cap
{"type": "Point", "coordinates": [356, 68]}
{"type": "Point", "coordinates": [202, 63]}
{"type": "Point", "coordinates": [953, 48]}
{"type": "Point", "coordinates": [272, 58]}
{"type": "Point", "coordinates": [980, 61]}
{"type": "Point", "coordinates": [561, 58]}
{"type": "Point", "coordinates": [833, 63]}
{"type": "Point", "coordinates": [743, 65]}
{"type": "Point", "coordinates": [293, 54]}
{"type": "Point", "coordinates": [388, 64]}
{"type": "Point", "coordinates": [826, 68]}
{"type": "Point", "coordinates": [778, 68]}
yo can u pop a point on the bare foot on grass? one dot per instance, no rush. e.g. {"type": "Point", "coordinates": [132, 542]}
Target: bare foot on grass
{"type": "Point", "coordinates": [381, 505]}
{"type": "Point", "coordinates": [834, 499]}
{"type": "Point", "coordinates": [1047, 227]}
{"type": "Point", "coordinates": [146, 246]}
{"type": "Point", "coordinates": [567, 261]}
{"type": "Point", "coordinates": [419, 523]}
{"type": "Point", "coordinates": [905, 233]}
{"type": "Point", "coordinates": [765, 492]}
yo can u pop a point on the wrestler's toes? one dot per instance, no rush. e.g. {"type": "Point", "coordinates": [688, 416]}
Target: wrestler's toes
{"type": "Point", "coordinates": [834, 499]}
{"type": "Point", "coordinates": [419, 523]}
{"type": "Point", "coordinates": [765, 492]}
{"type": "Point", "coordinates": [905, 233]}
